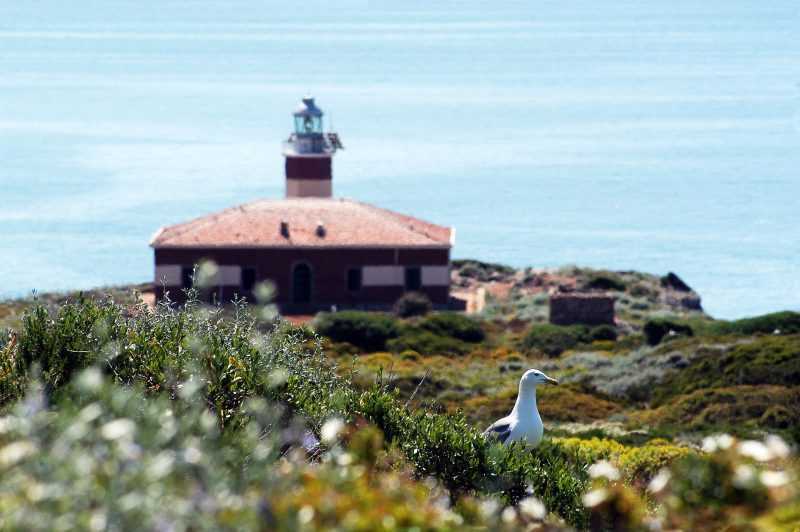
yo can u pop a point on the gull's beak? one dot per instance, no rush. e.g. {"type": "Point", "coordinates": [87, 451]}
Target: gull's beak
{"type": "Point", "coordinates": [551, 381]}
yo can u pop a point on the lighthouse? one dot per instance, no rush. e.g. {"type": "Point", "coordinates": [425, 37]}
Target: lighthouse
{"type": "Point", "coordinates": [309, 154]}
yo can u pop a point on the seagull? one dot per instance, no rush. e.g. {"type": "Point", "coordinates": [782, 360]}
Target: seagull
{"type": "Point", "coordinates": [523, 423]}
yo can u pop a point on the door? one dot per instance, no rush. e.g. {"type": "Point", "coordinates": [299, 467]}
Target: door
{"type": "Point", "coordinates": [301, 283]}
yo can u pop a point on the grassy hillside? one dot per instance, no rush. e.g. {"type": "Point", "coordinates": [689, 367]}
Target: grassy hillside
{"type": "Point", "coordinates": [118, 415]}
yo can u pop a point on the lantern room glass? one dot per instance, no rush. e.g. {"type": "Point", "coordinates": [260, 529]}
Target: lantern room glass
{"type": "Point", "coordinates": [307, 125]}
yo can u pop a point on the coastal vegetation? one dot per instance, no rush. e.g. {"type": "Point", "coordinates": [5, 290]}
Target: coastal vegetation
{"type": "Point", "coordinates": [117, 414]}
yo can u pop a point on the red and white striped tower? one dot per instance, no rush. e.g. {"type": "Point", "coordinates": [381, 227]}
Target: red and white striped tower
{"type": "Point", "coordinates": [309, 154]}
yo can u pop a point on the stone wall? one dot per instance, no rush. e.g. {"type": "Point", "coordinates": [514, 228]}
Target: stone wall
{"type": "Point", "coordinates": [581, 308]}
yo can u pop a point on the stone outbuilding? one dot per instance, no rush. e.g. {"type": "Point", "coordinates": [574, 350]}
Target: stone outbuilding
{"type": "Point", "coordinates": [585, 308]}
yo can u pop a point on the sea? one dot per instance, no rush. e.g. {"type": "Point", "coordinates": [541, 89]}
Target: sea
{"type": "Point", "coordinates": [629, 135]}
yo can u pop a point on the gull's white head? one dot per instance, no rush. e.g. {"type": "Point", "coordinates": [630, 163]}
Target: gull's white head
{"type": "Point", "coordinates": [532, 377]}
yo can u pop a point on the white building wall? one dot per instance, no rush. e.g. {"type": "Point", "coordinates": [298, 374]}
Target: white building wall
{"type": "Point", "coordinates": [395, 275]}
{"type": "Point", "coordinates": [170, 275]}
{"type": "Point", "coordinates": [435, 276]}
{"type": "Point", "coordinates": [382, 276]}
{"type": "Point", "coordinates": [228, 276]}
{"type": "Point", "coordinates": [308, 188]}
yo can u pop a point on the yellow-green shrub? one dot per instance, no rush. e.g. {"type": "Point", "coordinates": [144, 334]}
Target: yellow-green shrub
{"type": "Point", "coordinates": [637, 463]}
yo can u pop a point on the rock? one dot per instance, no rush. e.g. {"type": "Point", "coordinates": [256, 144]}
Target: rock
{"type": "Point", "coordinates": [691, 302]}
{"type": "Point", "coordinates": [671, 280]}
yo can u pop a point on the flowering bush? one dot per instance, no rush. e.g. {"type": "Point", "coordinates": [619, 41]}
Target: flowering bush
{"type": "Point", "coordinates": [231, 363]}
{"type": "Point", "coordinates": [731, 485]}
{"type": "Point", "coordinates": [107, 459]}
{"type": "Point", "coordinates": [194, 419]}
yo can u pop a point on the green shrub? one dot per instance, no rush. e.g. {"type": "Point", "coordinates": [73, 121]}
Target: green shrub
{"type": "Point", "coordinates": [454, 325]}
{"type": "Point", "coordinates": [764, 360]}
{"type": "Point", "coordinates": [656, 329]}
{"type": "Point", "coordinates": [605, 281]}
{"type": "Point", "coordinates": [367, 330]}
{"type": "Point", "coordinates": [447, 447]}
{"type": "Point", "coordinates": [479, 270]}
{"type": "Point", "coordinates": [106, 455]}
{"type": "Point", "coordinates": [226, 364]}
{"type": "Point", "coordinates": [603, 332]}
{"type": "Point", "coordinates": [552, 340]}
{"type": "Point", "coordinates": [641, 290]}
{"type": "Point", "coordinates": [413, 304]}
{"type": "Point", "coordinates": [416, 339]}
{"type": "Point", "coordinates": [785, 322]}
{"type": "Point", "coordinates": [107, 458]}
{"type": "Point", "coordinates": [745, 407]}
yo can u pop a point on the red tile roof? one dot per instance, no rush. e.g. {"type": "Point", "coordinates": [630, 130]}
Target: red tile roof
{"type": "Point", "coordinates": [346, 223]}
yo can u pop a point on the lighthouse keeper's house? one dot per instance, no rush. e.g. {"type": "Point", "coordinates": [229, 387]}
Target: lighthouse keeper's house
{"type": "Point", "coordinates": [318, 251]}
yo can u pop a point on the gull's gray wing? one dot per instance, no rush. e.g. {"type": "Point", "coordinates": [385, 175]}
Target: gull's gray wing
{"type": "Point", "coordinates": [500, 429]}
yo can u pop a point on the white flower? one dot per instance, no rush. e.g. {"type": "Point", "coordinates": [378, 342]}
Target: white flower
{"type": "Point", "coordinates": [277, 377]}
{"type": "Point", "coordinates": [331, 429]}
{"type": "Point", "coordinates": [659, 482]}
{"type": "Point", "coordinates": [98, 521]}
{"type": "Point", "coordinates": [709, 444]}
{"type": "Point", "coordinates": [90, 412]}
{"type": "Point", "coordinates": [192, 455]}
{"type": "Point", "coordinates": [6, 424]}
{"type": "Point", "coordinates": [305, 515]}
{"type": "Point", "coordinates": [604, 469]}
{"type": "Point", "coordinates": [509, 515]}
{"type": "Point", "coordinates": [755, 450]}
{"type": "Point", "coordinates": [206, 274]}
{"type": "Point", "coordinates": [14, 452]}
{"type": "Point", "coordinates": [744, 476]}
{"type": "Point", "coordinates": [594, 497]}
{"type": "Point", "coordinates": [774, 479]}
{"type": "Point", "coordinates": [777, 446]}
{"type": "Point", "coordinates": [90, 379]}
{"type": "Point", "coordinates": [119, 428]}
{"type": "Point", "coordinates": [489, 507]}
{"type": "Point", "coordinates": [533, 508]}
{"type": "Point", "coordinates": [717, 442]}
{"type": "Point", "coordinates": [725, 441]}
{"type": "Point", "coordinates": [161, 465]}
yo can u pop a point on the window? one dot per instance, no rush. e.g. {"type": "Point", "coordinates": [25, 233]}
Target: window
{"type": "Point", "coordinates": [354, 279]}
{"type": "Point", "coordinates": [248, 279]}
{"type": "Point", "coordinates": [307, 124]}
{"type": "Point", "coordinates": [186, 276]}
{"type": "Point", "coordinates": [413, 278]}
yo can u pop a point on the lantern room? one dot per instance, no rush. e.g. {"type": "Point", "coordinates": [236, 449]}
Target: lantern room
{"type": "Point", "coordinates": [308, 153]}
{"type": "Point", "coordinates": [308, 118]}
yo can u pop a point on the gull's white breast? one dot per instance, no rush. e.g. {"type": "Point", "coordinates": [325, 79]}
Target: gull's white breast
{"type": "Point", "coordinates": [528, 429]}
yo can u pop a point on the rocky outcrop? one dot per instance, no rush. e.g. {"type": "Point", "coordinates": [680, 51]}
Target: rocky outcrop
{"type": "Point", "coordinates": [672, 281]}
{"type": "Point", "coordinates": [581, 308]}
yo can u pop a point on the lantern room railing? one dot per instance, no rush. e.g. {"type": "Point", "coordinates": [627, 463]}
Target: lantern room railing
{"type": "Point", "coordinates": [319, 144]}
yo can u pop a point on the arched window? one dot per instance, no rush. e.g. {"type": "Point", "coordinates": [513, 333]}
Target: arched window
{"type": "Point", "coordinates": [301, 283]}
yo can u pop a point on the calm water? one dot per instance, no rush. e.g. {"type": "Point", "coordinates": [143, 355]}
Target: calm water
{"type": "Point", "coordinates": [639, 134]}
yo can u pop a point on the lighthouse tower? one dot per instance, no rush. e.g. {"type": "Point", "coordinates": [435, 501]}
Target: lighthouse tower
{"type": "Point", "coordinates": [309, 153]}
